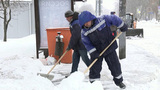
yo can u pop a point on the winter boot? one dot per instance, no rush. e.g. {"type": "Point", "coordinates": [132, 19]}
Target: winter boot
{"type": "Point", "coordinates": [91, 81]}
{"type": "Point", "coordinates": [121, 85]}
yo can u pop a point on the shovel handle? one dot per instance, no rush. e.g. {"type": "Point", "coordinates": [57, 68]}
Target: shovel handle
{"type": "Point", "coordinates": [58, 61]}
{"type": "Point", "coordinates": [102, 53]}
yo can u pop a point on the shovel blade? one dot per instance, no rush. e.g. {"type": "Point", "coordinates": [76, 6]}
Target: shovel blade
{"type": "Point", "coordinates": [50, 77]}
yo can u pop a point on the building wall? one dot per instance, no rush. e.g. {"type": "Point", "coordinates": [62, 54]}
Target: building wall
{"type": "Point", "coordinates": [22, 22]}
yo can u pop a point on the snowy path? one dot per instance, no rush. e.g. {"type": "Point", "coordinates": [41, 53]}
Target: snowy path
{"type": "Point", "coordinates": [150, 42]}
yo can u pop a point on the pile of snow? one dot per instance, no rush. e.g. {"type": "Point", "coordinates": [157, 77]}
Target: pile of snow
{"type": "Point", "coordinates": [19, 68]}
{"type": "Point", "coordinates": [75, 82]}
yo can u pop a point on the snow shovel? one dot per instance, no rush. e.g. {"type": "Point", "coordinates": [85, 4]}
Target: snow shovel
{"type": "Point", "coordinates": [102, 53]}
{"type": "Point", "coordinates": [50, 77]}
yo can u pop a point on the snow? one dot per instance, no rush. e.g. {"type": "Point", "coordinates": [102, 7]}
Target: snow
{"type": "Point", "coordinates": [19, 67]}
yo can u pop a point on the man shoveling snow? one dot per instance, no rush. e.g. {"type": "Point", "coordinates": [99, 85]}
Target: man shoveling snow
{"type": "Point", "coordinates": [96, 36]}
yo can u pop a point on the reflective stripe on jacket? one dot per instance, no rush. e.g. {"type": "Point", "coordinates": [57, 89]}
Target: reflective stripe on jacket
{"type": "Point", "coordinates": [99, 36]}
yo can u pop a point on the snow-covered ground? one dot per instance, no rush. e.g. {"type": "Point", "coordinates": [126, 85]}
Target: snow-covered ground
{"type": "Point", "coordinates": [141, 68]}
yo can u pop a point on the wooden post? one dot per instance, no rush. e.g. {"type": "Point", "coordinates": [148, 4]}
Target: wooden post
{"type": "Point", "coordinates": [122, 38]}
{"type": "Point", "coordinates": [37, 26]}
{"type": "Point", "coordinates": [122, 46]}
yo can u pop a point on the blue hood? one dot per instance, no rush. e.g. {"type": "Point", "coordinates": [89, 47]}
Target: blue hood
{"type": "Point", "coordinates": [84, 17]}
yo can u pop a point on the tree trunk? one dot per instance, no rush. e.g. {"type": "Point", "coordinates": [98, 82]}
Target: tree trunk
{"type": "Point", "coordinates": [5, 28]}
{"type": "Point", "coordinates": [6, 22]}
{"type": "Point", "coordinates": [5, 36]}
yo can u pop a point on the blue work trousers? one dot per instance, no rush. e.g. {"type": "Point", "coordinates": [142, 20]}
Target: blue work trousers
{"type": "Point", "coordinates": [76, 58]}
{"type": "Point", "coordinates": [113, 64]}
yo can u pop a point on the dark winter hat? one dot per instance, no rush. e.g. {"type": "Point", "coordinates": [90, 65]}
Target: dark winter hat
{"type": "Point", "coordinates": [69, 13]}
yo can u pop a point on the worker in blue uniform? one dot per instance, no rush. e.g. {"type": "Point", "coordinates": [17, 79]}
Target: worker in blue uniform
{"type": "Point", "coordinates": [96, 35]}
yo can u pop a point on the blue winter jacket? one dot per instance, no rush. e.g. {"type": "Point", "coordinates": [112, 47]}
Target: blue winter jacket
{"type": "Point", "coordinates": [75, 41]}
{"type": "Point", "coordinates": [98, 36]}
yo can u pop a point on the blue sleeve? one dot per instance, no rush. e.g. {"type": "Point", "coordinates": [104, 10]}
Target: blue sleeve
{"type": "Point", "coordinates": [114, 20]}
{"type": "Point", "coordinates": [87, 43]}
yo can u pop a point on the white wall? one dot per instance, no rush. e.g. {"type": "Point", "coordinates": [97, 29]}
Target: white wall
{"type": "Point", "coordinates": [21, 23]}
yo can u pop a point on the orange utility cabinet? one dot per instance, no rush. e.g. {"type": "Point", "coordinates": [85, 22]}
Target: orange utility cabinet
{"type": "Point", "coordinates": [51, 37]}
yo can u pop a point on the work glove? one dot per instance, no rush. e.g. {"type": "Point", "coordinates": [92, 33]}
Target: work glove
{"type": "Point", "coordinates": [113, 28]}
{"type": "Point", "coordinates": [94, 55]}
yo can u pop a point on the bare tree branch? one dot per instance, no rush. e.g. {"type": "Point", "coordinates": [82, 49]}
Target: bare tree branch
{"type": "Point", "coordinates": [8, 7]}
{"type": "Point", "coordinates": [8, 3]}
{"type": "Point", "coordinates": [3, 3]}
{"type": "Point", "coordinates": [1, 9]}
{"type": "Point", "coordinates": [1, 17]}
{"type": "Point", "coordinates": [9, 18]}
